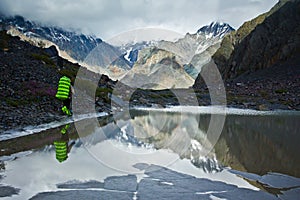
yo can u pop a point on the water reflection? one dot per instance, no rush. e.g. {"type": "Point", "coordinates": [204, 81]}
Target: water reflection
{"type": "Point", "coordinates": [178, 132]}
{"type": "Point", "coordinates": [260, 144]}
{"type": "Point", "coordinates": [256, 143]}
{"type": "Point", "coordinates": [252, 143]}
{"type": "Point", "coordinates": [62, 145]}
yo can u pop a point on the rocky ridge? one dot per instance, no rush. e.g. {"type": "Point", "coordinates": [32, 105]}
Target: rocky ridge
{"type": "Point", "coordinates": [260, 61]}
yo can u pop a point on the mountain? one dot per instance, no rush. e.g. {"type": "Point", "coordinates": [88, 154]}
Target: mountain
{"type": "Point", "coordinates": [90, 51]}
{"type": "Point", "coordinates": [108, 60]}
{"type": "Point", "coordinates": [215, 29]}
{"type": "Point", "coordinates": [74, 44]}
{"type": "Point", "coordinates": [165, 64]}
{"type": "Point", "coordinates": [130, 51]}
{"type": "Point", "coordinates": [115, 61]}
{"type": "Point", "coordinates": [195, 50]}
{"type": "Point", "coordinates": [258, 43]}
{"type": "Point", "coordinates": [157, 69]}
{"type": "Point", "coordinates": [260, 61]}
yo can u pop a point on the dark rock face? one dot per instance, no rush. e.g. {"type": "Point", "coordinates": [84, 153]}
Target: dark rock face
{"type": "Point", "coordinates": [265, 41]}
{"type": "Point", "coordinates": [259, 63]}
{"type": "Point", "coordinates": [234, 39]}
{"type": "Point", "coordinates": [274, 41]}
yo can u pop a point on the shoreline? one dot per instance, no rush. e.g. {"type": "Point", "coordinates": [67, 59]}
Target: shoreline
{"type": "Point", "coordinates": [227, 110]}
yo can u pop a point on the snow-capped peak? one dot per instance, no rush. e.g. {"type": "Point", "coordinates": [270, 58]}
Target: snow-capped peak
{"type": "Point", "coordinates": [215, 29]}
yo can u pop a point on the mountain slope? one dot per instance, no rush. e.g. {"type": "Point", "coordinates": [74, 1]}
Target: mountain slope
{"type": "Point", "coordinates": [274, 41]}
{"type": "Point", "coordinates": [28, 83]}
{"type": "Point", "coordinates": [224, 55]}
{"type": "Point", "coordinates": [157, 69]}
{"type": "Point", "coordinates": [88, 50]}
{"type": "Point", "coordinates": [195, 50]}
{"type": "Point", "coordinates": [76, 45]}
{"type": "Point", "coordinates": [130, 51]}
{"type": "Point", "coordinates": [263, 67]}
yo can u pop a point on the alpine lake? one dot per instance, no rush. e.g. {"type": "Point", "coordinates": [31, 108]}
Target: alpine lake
{"type": "Point", "coordinates": [144, 153]}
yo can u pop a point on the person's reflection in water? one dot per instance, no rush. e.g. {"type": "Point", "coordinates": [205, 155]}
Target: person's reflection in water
{"type": "Point", "coordinates": [62, 148]}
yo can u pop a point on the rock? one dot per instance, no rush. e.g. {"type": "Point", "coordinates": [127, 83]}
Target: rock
{"type": "Point", "coordinates": [83, 194]}
{"type": "Point", "coordinates": [263, 107]}
{"type": "Point", "coordinates": [80, 185]}
{"type": "Point", "coordinates": [121, 183]}
{"type": "Point", "coordinates": [8, 191]}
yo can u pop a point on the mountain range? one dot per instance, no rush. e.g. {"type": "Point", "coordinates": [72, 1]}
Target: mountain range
{"type": "Point", "coordinates": [167, 64]}
{"type": "Point", "coordinates": [120, 62]}
{"type": "Point", "coordinates": [195, 50]}
{"type": "Point", "coordinates": [265, 47]}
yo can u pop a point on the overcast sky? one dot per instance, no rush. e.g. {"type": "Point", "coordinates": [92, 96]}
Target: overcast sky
{"type": "Point", "coordinates": [107, 18]}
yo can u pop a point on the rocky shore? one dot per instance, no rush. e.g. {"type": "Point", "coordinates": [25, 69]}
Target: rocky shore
{"type": "Point", "coordinates": [28, 83]}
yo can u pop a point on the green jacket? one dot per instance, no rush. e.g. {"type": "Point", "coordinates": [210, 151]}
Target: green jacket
{"type": "Point", "coordinates": [61, 150]}
{"type": "Point", "coordinates": [63, 89]}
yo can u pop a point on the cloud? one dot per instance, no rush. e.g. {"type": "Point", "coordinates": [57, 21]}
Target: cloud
{"type": "Point", "coordinates": [106, 18]}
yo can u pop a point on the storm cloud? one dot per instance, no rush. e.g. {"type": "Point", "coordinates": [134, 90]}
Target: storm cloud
{"type": "Point", "coordinates": [107, 18]}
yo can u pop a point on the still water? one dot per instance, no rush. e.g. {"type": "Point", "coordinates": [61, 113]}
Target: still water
{"type": "Point", "coordinates": [176, 153]}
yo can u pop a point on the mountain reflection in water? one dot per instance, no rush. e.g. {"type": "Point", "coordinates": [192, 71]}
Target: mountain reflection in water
{"type": "Point", "coordinates": [252, 143]}
{"type": "Point", "coordinates": [255, 142]}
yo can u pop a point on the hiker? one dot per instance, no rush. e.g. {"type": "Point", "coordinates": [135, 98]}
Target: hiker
{"type": "Point", "coordinates": [63, 94]}
{"type": "Point", "coordinates": [62, 146]}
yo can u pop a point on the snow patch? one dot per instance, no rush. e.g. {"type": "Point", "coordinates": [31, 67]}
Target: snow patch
{"type": "Point", "coordinates": [167, 183]}
{"type": "Point", "coordinates": [217, 110]}
{"type": "Point", "coordinates": [127, 54]}
{"type": "Point", "coordinates": [35, 129]}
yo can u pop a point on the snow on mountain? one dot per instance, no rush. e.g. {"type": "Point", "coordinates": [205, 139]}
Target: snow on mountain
{"type": "Point", "coordinates": [167, 64]}
{"type": "Point", "coordinates": [195, 50]}
{"type": "Point", "coordinates": [89, 50]}
{"type": "Point", "coordinates": [186, 48]}
{"type": "Point", "coordinates": [77, 45]}
{"type": "Point", "coordinates": [215, 29]}
{"type": "Point", "coordinates": [130, 51]}
{"type": "Point", "coordinates": [191, 52]}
